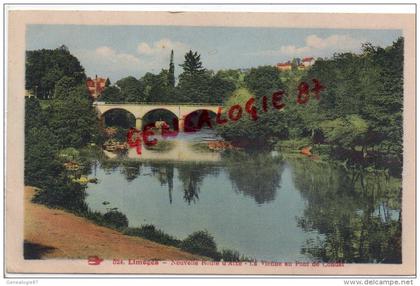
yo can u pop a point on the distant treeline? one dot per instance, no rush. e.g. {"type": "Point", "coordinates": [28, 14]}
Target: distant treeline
{"type": "Point", "coordinates": [359, 114]}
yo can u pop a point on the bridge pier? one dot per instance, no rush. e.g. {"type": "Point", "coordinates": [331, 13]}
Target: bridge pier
{"type": "Point", "coordinates": [139, 123]}
{"type": "Point", "coordinates": [181, 124]}
{"type": "Point", "coordinates": [101, 122]}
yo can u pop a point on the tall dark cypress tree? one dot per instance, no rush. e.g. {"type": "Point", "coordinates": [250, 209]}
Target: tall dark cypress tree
{"type": "Point", "coordinates": [171, 76]}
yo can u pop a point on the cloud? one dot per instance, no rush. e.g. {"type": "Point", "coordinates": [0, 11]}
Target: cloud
{"type": "Point", "coordinates": [161, 47]}
{"type": "Point", "coordinates": [109, 54]}
{"type": "Point", "coordinates": [108, 62]}
{"type": "Point", "coordinates": [317, 46]}
{"type": "Point", "coordinates": [146, 57]}
{"type": "Point", "coordinates": [293, 50]}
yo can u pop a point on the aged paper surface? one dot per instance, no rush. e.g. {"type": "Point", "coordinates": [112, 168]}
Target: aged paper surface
{"type": "Point", "coordinates": [328, 193]}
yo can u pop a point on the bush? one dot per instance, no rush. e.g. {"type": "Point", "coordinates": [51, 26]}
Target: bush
{"type": "Point", "coordinates": [150, 232]}
{"type": "Point", "coordinates": [60, 192]}
{"type": "Point", "coordinates": [201, 243]}
{"type": "Point", "coordinates": [69, 154]}
{"type": "Point", "coordinates": [230, 255]}
{"type": "Point", "coordinates": [116, 219]}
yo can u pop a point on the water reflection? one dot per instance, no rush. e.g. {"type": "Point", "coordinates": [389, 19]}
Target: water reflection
{"type": "Point", "coordinates": [356, 213]}
{"type": "Point", "coordinates": [192, 176]}
{"type": "Point", "coordinates": [254, 174]}
{"type": "Point", "coordinates": [130, 170]}
{"type": "Point", "coordinates": [165, 175]}
{"type": "Point", "coordinates": [264, 206]}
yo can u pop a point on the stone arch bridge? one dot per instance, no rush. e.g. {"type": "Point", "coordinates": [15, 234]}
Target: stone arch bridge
{"type": "Point", "coordinates": [140, 109]}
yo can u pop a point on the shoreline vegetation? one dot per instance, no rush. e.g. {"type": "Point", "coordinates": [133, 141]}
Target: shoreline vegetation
{"type": "Point", "coordinates": [46, 236]}
{"type": "Point", "coordinates": [199, 244]}
{"type": "Point", "coordinates": [356, 123]}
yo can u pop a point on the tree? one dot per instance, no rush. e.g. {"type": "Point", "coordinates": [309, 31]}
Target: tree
{"type": "Point", "coordinates": [73, 120]}
{"type": "Point", "coordinates": [383, 107]}
{"type": "Point", "coordinates": [34, 115]}
{"type": "Point", "coordinates": [192, 64]}
{"type": "Point", "coordinates": [64, 87]}
{"type": "Point", "coordinates": [347, 132]}
{"type": "Point", "coordinates": [220, 89]}
{"type": "Point", "coordinates": [157, 87]}
{"type": "Point", "coordinates": [263, 80]}
{"type": "Point", "coordinates": [202, 243]}
{"type": "Point", "coordinates": [44, 68]}
{"type": "Point", "coordinates": [171, 75]}
{"type": "Point", "coordinates": [195, 87]}
{"type": "Point", "coordinates": [369, 85]}
{"type": "Point", "coordinates": [111, 94]}
{"type": "Point", "coordinates": [262, 132]}
{"type": "Point", "coordinates": [41, 148]}
{"type": "Point", "coordinates": [234, 76]}
{"type": "Point", "coordinates": [132, 89]}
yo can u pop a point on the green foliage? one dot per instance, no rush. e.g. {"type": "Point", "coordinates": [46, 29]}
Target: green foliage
{"type": "Point", "coordinates": [65, 87]}
{"type": "Point", "coordinates": [197, 84]}
{"type": "Point", "coordinates": [256, 175]}
{"type": "Point", "coordinates": [369, 85]}
{"type": "Point", "coordinates": [132, 90]}
{"type": "Point", "coordinates": [119, 118]}
{"type": "Point", "coordinates": [347, 131]}
{"type": "Point", "coordinates": [364, 229]}
{"type": "Point", "coordinates": [157, 88]}
{"type": "Point", "coordinates": [194, 87]}
{"type": "Point", "coordinates": [192, 64]}
{"type": "Point", "coordinates": [269, 127]}
{"type": "Point", "coordinates": [201, 243]}
{"type": "Point", "coordinates": [116, 219]}
{"type": "Point", "coordinates": [67, 121]}
{"type": "Point", "coordinates": [359, 110]}
{"type": "Point", "coordinates": [220, 89]}
{"type": "Point", "coordinates": [69, 154]}
{"type": "Point", "coordinates": [150, 232]}
{"type": "Point", "coordinates": [41, 164]}
{"type": "Point", "coordinates": [171, 71]}
{"type": "Point", "coordinates": [61, 192]}
{"type": "Point", "coordinates": [233, 76]}
{"type": "Point", "coordinates": [230, 255]}
{"type": "Point", "coordinates": [44, 68]}
{"type": "Point", "coordinates": [111, 94]}
{"type": "Point", "coordinates": [293, 145]}
{"type": "Point", "coordinates": [73, 121]}
{"type": "Point", "coordinates": [263, 80]}
{"type": "Point", "coordinates": [34, 115]}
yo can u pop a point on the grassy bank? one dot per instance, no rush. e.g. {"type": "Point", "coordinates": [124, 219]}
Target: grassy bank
{"type": "Point", "coordinates": [54, 233]}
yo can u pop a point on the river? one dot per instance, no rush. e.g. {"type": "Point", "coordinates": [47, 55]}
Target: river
{"type": "Point", "coordinates": [267, 206]}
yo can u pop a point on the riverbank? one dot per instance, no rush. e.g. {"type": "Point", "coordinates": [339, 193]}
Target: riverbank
{"type": "Point", "coordinates": [53, 233]}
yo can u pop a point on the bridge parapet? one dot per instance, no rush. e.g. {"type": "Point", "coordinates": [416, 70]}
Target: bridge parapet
{"type": "Point", "coordinates": [139, 110]}
{"type": "Point", "coordinates": [154, 103]}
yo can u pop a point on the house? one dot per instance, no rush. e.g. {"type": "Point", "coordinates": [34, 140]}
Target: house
{"type": "Point", "coordinates": [301, 67]}
{"type": "Point", "coordinates": [96, 86]}
{"type": "Point", "coordinates": [307, 62]}
{"type": "Point", "coordinates": [284, 66]}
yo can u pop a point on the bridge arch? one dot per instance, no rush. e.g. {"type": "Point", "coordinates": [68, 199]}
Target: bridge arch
{"type": "Point", "coordinates": [139, 110]}
{"type": "Point", "coordinates": [161, 114]}
{"type": "Point", "coordinates": [197, 119]}
{"type": "Point", "coordinates": [117, 116]}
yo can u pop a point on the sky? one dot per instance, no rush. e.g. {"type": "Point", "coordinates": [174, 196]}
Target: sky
{"type": "Point", "coordinates": [120, 51]}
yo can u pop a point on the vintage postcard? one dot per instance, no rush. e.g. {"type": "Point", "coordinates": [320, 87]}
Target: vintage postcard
{"type": "Point", "coordinates": [210, 143]}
